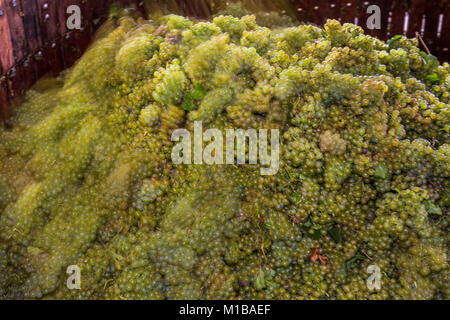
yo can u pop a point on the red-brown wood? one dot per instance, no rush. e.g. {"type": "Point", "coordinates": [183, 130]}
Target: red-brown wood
{"type": "Point", "coordinates": [7, 51]}
{"type": "Point", "coordinates": [416, 12]}
{"type": "Point", "coordinates": [432, 12]}
{"type": "Point", "coordinates": [334, 11]}
{"type": "Point", "coordinates": [4, 109]}
{"type": "Point", "coordinates": [398, 9]}
{"type": "Point", "coordinates": [349, 10]}
{"type": "Point", "coordinates": [301, 9]}
{"type": "Point", "coordinates": [444, 41]}
{"type": "Point", "coordinates": [14, 13]}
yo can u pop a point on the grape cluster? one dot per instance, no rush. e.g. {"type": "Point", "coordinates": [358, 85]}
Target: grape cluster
{"type": "Point", "coordinates": [86, 176]}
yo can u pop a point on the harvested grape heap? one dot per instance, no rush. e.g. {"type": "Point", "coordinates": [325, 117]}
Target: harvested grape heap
{"type": "Point", "coordinates": [86, 176]}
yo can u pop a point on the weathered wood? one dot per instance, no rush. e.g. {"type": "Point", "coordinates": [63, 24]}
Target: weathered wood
{"type": "Point", "coordinates": [7, 51]}
{"type": "Point", "coordinates": [432, 12]}
{"type": "Point", "coordinates": [416, 12]}
{"type": "Point", "coordinates": [31, 25]}
{"type": "Point", "coordinates": [195, 8]}
{"type": "Point", "coordinates": [14, 13]}
{"type": "Point", "coordinates": [4, 102]}
{"type": "Point", "coordinates": [444, 41]}
{"type": "Point", "coordinates": [349, 10]}
{"type": "Point", "coordinates": [334, 11]}
{"type": "Point", "coordinates": [301, 9]}
{"type": "Point", "coordinates": [398, 9]}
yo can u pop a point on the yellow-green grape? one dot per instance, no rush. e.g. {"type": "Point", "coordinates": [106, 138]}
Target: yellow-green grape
{"type": "Point", "coordinates": [150, 115]}
{"type": "Point", "coordinates": [171, 82]}
{"type": "Point", "coordinates": [87, 178]}
{"type": "Point", "coordinates": [171, 119]}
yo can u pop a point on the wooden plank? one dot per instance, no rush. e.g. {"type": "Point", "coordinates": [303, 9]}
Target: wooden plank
{"type": "Point", "coordinates": [52, 52]}
{"type": "Point", "coordinates": [301, 9]}
{"type": "Point", "coordinates": [196, 8]}
{"type": "Point", "coordinates": [83, 38]}
{"type": "Point", "coordinates": [32, 26]}
{"type": "Point", "coordinates": [432, 12]}
{"type": "Point", "coordinates": [33, 38]}
{"type": "Point", "coordinates": [69, 49]}
{"type": "Point", "coordinates": [14, 11]}
{"type": "Point", "coordinates": [4, 103]}
{"type": "Point", "coordinates": [15, 79]}
{"type": "Point", "coordinates": [48, 12]}
{"type": "Point", "coordinates": [48, 19]}
{"type": "Point", "coordinates": [349, 11]}
{"type": "Point", "coordinates": [334, 11]}
{"type": "Point", "coordinates": [29, 73]}
{"type": "Point", "coordinates": [416, 12]}
{"type": "Point", "coordinates": [444, 41]}
{"type": "Point", "coordinates": [398, 9]}
{"type": "Point", "coordinates": [324, 11]}
{"type": "Point", "coordinates": [7, 52]}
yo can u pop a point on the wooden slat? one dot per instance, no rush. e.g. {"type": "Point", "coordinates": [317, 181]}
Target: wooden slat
{"type": "Point", "coordinates": [4, 103]}
{"type": "Point", "coordinates": [444, 41]}
{"type": "Point", "coordinates": [416, 12]}
{"type": "Point", "coordinates": [334, 11]}
{"type": "Point", "coordinates": [48, 19]}
{"type": "Point", "coordinates": [48, 13]}
{"type": "Point", "coordinates": [301, 9]}
{"type": "Point", "coordinates": [315, 10]}
{"type": "Point", "coordinates": [325, 11]}
{"type": "Point", "coordinates": [32, 26]}
{"type": "Point", "coordinates": [349, 10]}
{"type": "Point", "coordinates": [398, 8]}
{"type": "Point", "coordinates": [7, 52]}
{"type": "Point", "coordinates": [33, 40]}
{"type": "Point", "coordinates": [14, 11]}
{"type": "Point", "coordinates": [432, 13]}
{"type": "Point", "coordinates": [196, 8]}
{"type": "Point", "coordinates": [16, 81]}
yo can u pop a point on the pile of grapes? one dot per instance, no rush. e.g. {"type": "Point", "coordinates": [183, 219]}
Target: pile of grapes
{"type": "Point", "coordinates": [86, 176]}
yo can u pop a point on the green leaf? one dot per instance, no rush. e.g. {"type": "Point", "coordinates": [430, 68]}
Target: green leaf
{"type": "Point", "coordinates": [335, 234]}
{"type": "Point", "coordinates": [34, 251]}
{"type": "Point", "coordinates": [430, 60]}
{"type": "Point", "coordinates": [260, 282]}
{"type": "Point", "coordinates": [199, 92]}
{"type": "Point", "coordinates": [350, 263]}
{"type": "Point", "coordinates": [393, 39]}
{"type": "Point", "coordinates": [381, 171]}
{"type": "Point", "coordinates": [188, 104]}
{"type": "Point", "coordinates": [312, 229]}
{"type": "Point", "coordinates": [432, 77]}
{"type": "Point", "coordinates": [316, 226]}
{"type": "Point", "coordinates": [432, 208]}
{"type": "Point", "coordinates": [315, 235]}
{"type": "Point", "coordinates": [295, 198]}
